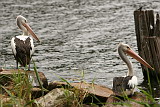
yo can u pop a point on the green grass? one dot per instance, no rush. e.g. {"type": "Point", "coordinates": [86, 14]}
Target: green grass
{"type": "Point", "coordinates": [80, 96]}
{"type": "Point", "coordinates": [148, 101]}
{"type": "Point", "coordinates": [18, 89]}
{"type": "Point", "coordinates": [20, 93]}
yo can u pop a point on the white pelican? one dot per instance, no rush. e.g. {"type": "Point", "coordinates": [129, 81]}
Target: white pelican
{"type": "Point", "coordinates": [126, 85]}
{"type": "Point", "coordinates": [22, 46]}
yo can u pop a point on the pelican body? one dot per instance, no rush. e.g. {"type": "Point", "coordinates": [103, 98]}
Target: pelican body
{"type": "Point", "coordinates": [22, 46]}
{"type": "Point", "coordinates": [127, 84]}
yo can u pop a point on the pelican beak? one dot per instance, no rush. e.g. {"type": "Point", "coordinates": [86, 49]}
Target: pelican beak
{"type": "Point", "coordinates": [30, 31]}
{"type": "Point", "coordinates": [131, 53]}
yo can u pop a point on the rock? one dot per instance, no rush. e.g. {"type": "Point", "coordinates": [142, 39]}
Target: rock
{"type": "Point", "coordinates": [35, 82]}
{"type": "Point", "coordinates": [87, 87]}
{"type": "Point", "coordinates": [4, 98]}
{"type": "Point", "coordinates": [89, 93]}
{"type": "Point", "coordinates": [37, 92]}
{"type": "Point", "coordinates": [6, 75]}
{"type": "Point", "coordinates": [129, 104]}
{"type": "Point", "coordinates": [112, 99]}
{"type": "Point", "coordinates": [94, 89]}
{"type": "Point", "coordinates": [56, 98]}
{"type": "Point", "coordinates": [1, 69]}
{"type": "Point", "coordinates": [137, 97]}
{"type": "Point", "coordinates": [7, 101]}
{"type": "Point", "coordinates": [56, 84]}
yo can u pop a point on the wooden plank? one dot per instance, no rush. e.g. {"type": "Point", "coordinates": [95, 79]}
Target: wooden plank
{"type": "Point", "coordinates": [153, 53]}
{"type": "Point", "coordinates": [157, 43]}
{"type": "Point", "coordinates": [141, 30]}
{"type": "Point", "coordinates": [157, 26]}
{"type": "Point", "coordinates": [136, 18]}
{"type": "Point", "coordinates": [143, 25]}
{"type": "Point", "coordinates": [150, 24]}
{"type": "Point", "coordinates": [147, 51]}
{"type": "Point", "coordinates": [157, 48]}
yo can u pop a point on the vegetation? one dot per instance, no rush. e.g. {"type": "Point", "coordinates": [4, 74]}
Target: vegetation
{"type": "Point", "coordinates": [18, 92]}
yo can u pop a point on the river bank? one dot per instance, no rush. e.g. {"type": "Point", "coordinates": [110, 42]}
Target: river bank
{"type": "Point", "coordinates": [21, 88]}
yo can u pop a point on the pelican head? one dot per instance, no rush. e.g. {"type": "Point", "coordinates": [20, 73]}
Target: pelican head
{"type": "Point", "coordinates": [23, 25]}
{"type": "Point", "coordinates": [124, 49]}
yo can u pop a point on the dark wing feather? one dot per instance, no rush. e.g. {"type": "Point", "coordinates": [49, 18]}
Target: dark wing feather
{"type": "Point", "coordinates": [23, 51]}
{"type": "Point", "coordinates": [120, 84]}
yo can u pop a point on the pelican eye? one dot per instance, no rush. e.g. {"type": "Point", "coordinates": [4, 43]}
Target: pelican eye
{"type": "Point", "coordinates": [128, 47]}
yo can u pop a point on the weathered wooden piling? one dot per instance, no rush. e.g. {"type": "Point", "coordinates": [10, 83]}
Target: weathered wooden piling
{"type": "Point", "coordinates": [148, 40]}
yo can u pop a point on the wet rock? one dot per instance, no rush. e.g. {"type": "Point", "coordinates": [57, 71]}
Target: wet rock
{"type": "Point", "coordinates": [113, 100]}
{"type": "Point", "coordinates": [34, 80]}
{"type": "Point", "coordinates": [85, 105]}
{"type": "Point", "coordinates": [87, 87]}
{"type": "Point", "coordinates": [55, 84]}
{"type": "Point", "coordinates": [1, 69]}
{"type": "Point", "coordinates": [56, 98]}
{"type": "Point", "coordinates": [37, 92]}
{"type": "Point", "coordinates": [94, 89]}
{"type": "Point", "coordinates": [129, 104]}
{"type": "Point", "coordinates": [6, 75]}
{"type": "Point", "coordinates": [7, 101]}
{"type": "Point", "coordinates": [4, 98]}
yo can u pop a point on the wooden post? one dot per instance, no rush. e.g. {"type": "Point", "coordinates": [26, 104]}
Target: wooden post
{"type": "Point", "coordinates": [148, 40]}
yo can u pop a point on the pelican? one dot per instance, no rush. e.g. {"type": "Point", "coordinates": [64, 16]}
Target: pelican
{"type": "Point", "coordinates": [127, 84]}
{"type": "Point", "coordinates": [22, 46]}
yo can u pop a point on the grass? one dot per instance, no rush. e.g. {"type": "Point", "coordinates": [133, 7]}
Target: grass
{"type": "Point", "coordinates": [148, 101]}
{"type": "Point", "coordinates": [20, 93]}
{"type": "Point", "coordinates": [77, 97]}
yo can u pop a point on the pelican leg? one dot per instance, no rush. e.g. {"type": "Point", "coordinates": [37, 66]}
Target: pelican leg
{"type": "Point", "coordinates": [29, 67]}
{"type": "Point", "coordinates": [17, 64]}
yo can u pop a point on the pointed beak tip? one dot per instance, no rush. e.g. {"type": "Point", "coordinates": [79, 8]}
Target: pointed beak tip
{"type": "Point", "coordinates": [40, 42]}
{"type": "Point", "coordinates": [152, 68]}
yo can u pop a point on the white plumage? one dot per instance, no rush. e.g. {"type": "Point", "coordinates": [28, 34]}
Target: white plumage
{"type": "Point", "coordinates": [133, 82]}
{"type": "Point", "coordinates": [22, 46]}
{"type": "Point", "coordinates": [23, 38]}
{"type": "Point", "coordinates": [13, 46]}
{"type": "Point", "coordinates": [128, 83]}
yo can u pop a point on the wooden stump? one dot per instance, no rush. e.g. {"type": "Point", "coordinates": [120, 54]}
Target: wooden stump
{"type": "Point", "coordinates": [148, 40]}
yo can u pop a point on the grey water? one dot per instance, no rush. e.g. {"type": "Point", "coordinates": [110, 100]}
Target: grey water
{"type": "Point", "coordinates": [77, 36]}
